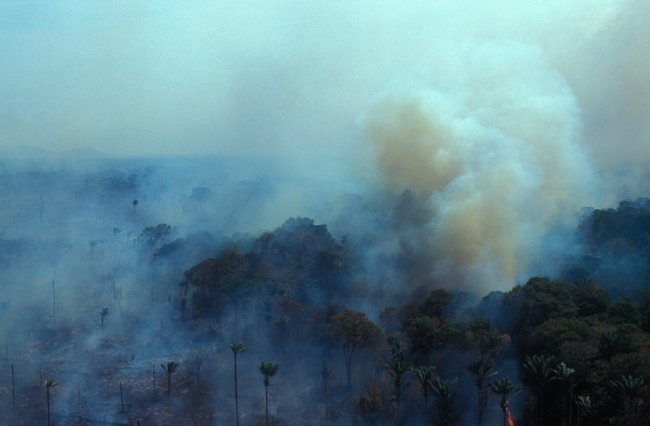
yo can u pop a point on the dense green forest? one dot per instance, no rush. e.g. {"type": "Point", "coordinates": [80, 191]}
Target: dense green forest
{"type": "Point", "coordinates": [548, 352]}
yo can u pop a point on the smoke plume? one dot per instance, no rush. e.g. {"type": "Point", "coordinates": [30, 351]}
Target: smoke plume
{"type": "Point", "coordinates": [493, 147]}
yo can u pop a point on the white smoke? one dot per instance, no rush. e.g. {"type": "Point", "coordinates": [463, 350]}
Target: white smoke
{"type": "Point", "coordinates": [494, 145]}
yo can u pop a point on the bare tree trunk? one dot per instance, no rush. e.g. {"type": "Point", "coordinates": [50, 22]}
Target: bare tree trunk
{"type": "Point", "coordinates": [47, 390]}
{"type": "Point", "coordinates": [266, 399]}
{"type": "Point", "coordinates": [236, 394]}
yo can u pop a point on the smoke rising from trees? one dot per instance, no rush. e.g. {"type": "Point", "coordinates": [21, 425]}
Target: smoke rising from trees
{"type": "Point", "coordinates": [152, 154]}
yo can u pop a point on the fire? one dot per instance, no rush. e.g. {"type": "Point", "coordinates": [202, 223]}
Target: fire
{"type": "Point", "coordinates": [511, 422]}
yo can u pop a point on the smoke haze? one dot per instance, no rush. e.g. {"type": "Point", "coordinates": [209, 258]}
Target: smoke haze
{"type": "Point", "coordinates": [443, 143]}
{"type": "Point", "coordinates": [234, 76]}
{"type": "Point", "coordinates": [501, 117]}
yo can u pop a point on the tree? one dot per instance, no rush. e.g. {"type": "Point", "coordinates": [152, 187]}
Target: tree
{"type": "Point", "coordinates": [590, 298]}
{"type": "Point", "coordinates": [49, 384]}
{"type": "Point", "coordinates": [644, 311]}
{"type": "Point", "coordinates": [565, 374]}
{"type": "Point", "coordinates": [540, 300]}
{"type": "Point", "coordinates": [102, 315]}
{"type": "Point", "coordinates": [482, 369]}
{"type": "Point", "coordinates": [356, 332]}
{"type": "Point", "coordinates": [486, 337]}
{"type": "Point", "coordinates": [169, 369]}
{"type": "Point", "coordinates": [425, 335]}
{"type": "Point", "coordinates": [540, 367]}
{"type": "Point", "coordinates": [397, 367]}
{"type": "Point", "coordinates": [625, 310]}
{"type": "Point", "coordinates": [268, 369]}
{"type": "Point", "coordinates": [504, 388]}
{"type": "Point", "coordinates": [583, 403]}
{"type": "Point", "coordinates": [155, 236]}
{"type": "Point", "coordinates": [220, 281]}
{"type": "Point", "coordinates": [612, 343]}
{"type": "Point", "coordinates": [629, 388]}
{"type": "Point", "coordinates": [435, 304]}
{"type": "Point", "coordinates": [425, 376]}
{"type": "Point", "coordinates": [443, 391]}
{"type": "Point", "coordinates": [236, 347]}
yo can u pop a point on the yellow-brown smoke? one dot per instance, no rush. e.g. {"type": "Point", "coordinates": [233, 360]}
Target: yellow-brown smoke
{"type": "Point", "coordinates": [494, 149]}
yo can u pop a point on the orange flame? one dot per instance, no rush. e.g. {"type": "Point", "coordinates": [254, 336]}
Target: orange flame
{"type": "Point", "coordinates": [509, 418]}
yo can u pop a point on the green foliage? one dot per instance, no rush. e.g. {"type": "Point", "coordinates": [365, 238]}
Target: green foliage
{"type": "Point", "coordinates": [436, 302]}
{"type": "Point", "coordinates": [237, 347]}
{"type": "Point", "coordinates": [394, 319]}
{"type": "Point", "coordinates": [590, 299]}
{"type": "Point", "coordinates": [502, 387]}
{"type": "Point", "coordinates": [552, 334]}
{"type": "Point", "coordinates": [562, 372]}
{"type": "Point", "coordinates": [397, 366]}
{"type": "Point", "coordinates": [541, 368]}
{"type": "Point", "coordinates": [485, 336]}
{"type": "Point", "coordinates": [222, 280]}
{"type": "Point", "coordinates": [628, 386]}
{"type": "Point", "coordinates": [268, 370]}
{"type": "Point", "coordinates": [630, 364]}
{"type": "Point", "coordinates": [612, 343]}
{"type": "Point", "coordinates": [584, 403]}
{"type": "Point", "coordinates": [481, 369]}
{"type": "Point", "coordinates": [644, 310]}
{"type": "Point", "coordinates": [443, 390]}
{"type": "Point", "coordinates": [443, 387]}
{"type": "Point", "coordinates": [425, 375]}
{"type": "Point", "coordinates": [354, 331]}
{"type": "Point", "coordinates": [540, 300]}
{"type": "Point", "coordinates": [427, 334]}
{"type": "Point", "coordinates": [625, 310]}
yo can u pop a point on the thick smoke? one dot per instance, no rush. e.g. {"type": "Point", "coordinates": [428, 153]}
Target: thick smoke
{"type": "Point", "coordinates": [493, 148]}
{"type": "Point", "coordinates": [494, 113]}
{"type": "Point", "coordinates": [443, 143]}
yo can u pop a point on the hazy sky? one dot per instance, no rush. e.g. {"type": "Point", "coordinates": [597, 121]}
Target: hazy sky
{"type": "Point", "coordinates": [142, 77]}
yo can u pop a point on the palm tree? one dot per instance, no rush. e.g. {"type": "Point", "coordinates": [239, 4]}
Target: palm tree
{"type": "Point", "coordinates": [629, 387]}
{"type": "Point", "coordinates": [169, 368]}
{"type": "Point", "coordinates": [612, 343]}
{"type": "Point", "coordinates": [398, 367]}
{"type": "Point", "coordinates": [482, 369]}
{"type": "Point", "coordinates": [540, 368]}
{"type": "Point", "coordinates": [268, 369]}
{"type": "Point", "coordinates": [504, 388]}
{"type": "Point", "coordinates": [583, 402]}
{"type": "Point", "coordinates": [236, 347]}
{"type": "Point", "coordinates": [565, 374]}
{"type": "Point", "coordinates": [442, 388]}
{"type": "Point", "coordinates": [425, 375]}
{"type": "Point", "coordinates": [49, 384]}
{"type": "Point", "coordinates": [102, 315]}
